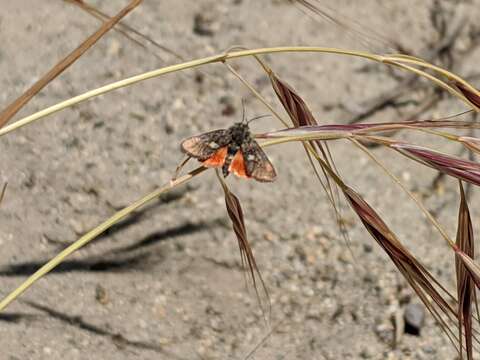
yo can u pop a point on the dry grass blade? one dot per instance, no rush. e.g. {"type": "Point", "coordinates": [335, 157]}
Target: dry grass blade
{"type": "Point", "coordinates": [235, 213]}
{"type": "Point", "coordinates": [124, 29]}
{"type": "Point", "coordinates": [16, 105]}
{"type": "Point", "coordinates": [368, 37]}
{"type": "Point", "coordinates": [423, 283]}
{"type": "Point", "coordinates": [465, 283]}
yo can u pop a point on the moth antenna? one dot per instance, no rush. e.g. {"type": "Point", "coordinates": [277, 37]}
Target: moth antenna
{"type": "Point", "coordinates": [243, 111]}
{"type": "Point", "coordinates": [258, 117]}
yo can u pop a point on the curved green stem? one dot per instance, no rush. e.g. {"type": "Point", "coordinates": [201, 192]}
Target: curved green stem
{"type": "Point", "coordinates": [85, 239]}
{"type": "Point", "coordinates": [178, 67]}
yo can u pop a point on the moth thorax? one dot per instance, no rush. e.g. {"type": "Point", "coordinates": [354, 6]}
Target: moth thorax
{"type": "Point", "coordinates": [240, 133]}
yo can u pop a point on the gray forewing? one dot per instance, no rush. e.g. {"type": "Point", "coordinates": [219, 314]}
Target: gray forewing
{"type": "Point", "coordinates": [257, 164]}
{"type": "Point", "coordinates": [205, 145]}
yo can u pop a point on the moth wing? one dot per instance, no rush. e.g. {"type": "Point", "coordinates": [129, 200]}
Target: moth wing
{"type": "Point", "coordinates": [237, 166]}
{"type": "Point", "coordinates": [205, 145]}
{"type": "Point", "coordinates": [257, 164]}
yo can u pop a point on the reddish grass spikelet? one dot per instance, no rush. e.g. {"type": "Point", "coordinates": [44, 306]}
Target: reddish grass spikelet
{"type": "Point", "coordinates": [465, 170]}
{"type": "Point", "coordinates": [294, 105]}
{"type": "Point", "coordinates": [473, 97]}
{"type": "Point", "coordinates": [423, 283]}
{"type": "Point", "coordinates": [235, 214]}
{"type": "Point", "coordinates": [472, 267]}
{"type": "Point", "coordinates": [335, 131]}
{"type": "Point", "coordinates": [465, 283]}
{"type": "Point", "coordinates": [368, 128]}
{"type": "Point", "coordinates": [301, 115]}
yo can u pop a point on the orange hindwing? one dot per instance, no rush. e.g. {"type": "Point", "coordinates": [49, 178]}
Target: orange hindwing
{"type": "Point", "coordinates": [217, 159]}
{"type": "Point", "coordinates": [238, 165]}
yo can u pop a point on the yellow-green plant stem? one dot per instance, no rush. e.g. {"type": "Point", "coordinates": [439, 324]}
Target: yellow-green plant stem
{"type": "Point", "coordinates": [93, 234]}
{"type": "Point", "coordinates": [389, 60]}
{"type": "Point", "coordinates": [308, 137]}
{"type": "Point", "coordinates": [178, 67]}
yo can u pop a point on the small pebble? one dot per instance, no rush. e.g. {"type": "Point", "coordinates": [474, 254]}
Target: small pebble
{"type": "Point", "coordinates": [366, 354]}
{"type": "Point", "coordinates": [414, 318]}
{"type": "Point", "coordinates": [101, 295]}
{"type": "Point", "coordinates": [204, 24]}
{"type": "Point", "coordinates": [228, 107]}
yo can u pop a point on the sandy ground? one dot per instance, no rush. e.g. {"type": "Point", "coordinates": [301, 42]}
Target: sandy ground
{"type": "Point", "coordinates": [167, 282]}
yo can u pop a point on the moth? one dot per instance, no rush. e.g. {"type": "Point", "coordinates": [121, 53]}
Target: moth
{"type": "Point", "coordinates": [234, 150]}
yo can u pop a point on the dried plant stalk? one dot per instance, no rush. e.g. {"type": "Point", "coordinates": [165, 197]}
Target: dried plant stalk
{"type": "Point", "coordinates": [124, 29]}
{"type": "Point", "coordinates": [423, 283]}
{"type": "Point", "coordinates": [235, 214]}
{"type": "Point", "coordinates": [16, 105]}
{"type": "Point", "coordinates": [465, 283]}
{"type": "Point", "coordinates": [238, 54]}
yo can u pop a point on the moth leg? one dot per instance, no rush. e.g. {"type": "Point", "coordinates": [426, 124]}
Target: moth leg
{"type": "Point", "coordinates": [180, 167]}
{"type": "Point", "coordinates": [225, 170]}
